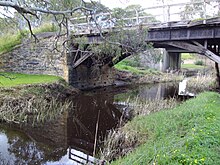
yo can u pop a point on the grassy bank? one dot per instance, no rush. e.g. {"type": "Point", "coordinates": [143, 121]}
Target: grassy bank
{"type": "Point", "coordinates": [187, 56]}
{"type": "Point", "coordinates": [9, 41]}
{"type": "Point", "coordinates": [193, 66]}
{"type": "Point", "coordinates": [33, 98]}
{"type": "Point", "coordinates": [187, 134]}
{"type": "Point", "coordinates": [136, 74]}
{"type": "Point", "coordinates": [13, 79]}
{"type": "Point", "coordinates": [128, 65]}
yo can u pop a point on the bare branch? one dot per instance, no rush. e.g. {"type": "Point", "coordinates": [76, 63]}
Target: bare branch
{"type": "Point", "coordinates": [29, 26]}
{"type": "Point", "coordinates": [17, 7]}
{"type": "Point", "coordinates": [32, 10]}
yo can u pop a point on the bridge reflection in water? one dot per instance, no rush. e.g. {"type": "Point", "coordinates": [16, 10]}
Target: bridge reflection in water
{"type": "Point", "coordinates": [89, 122]}
{"type": "Point", "coordinates": [73, 136]}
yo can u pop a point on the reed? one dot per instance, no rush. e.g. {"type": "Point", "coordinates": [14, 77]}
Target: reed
{"type": "Point", "coordinates": [201, 83]}
{"type": "Point", "coordinates": [31, 110]}
{"type": "Point", "coordinates": [186, 134]}
{"type": "Point", "coordinates": [151, 106]}
{"type": "Point", "coordinates": [125, 138]}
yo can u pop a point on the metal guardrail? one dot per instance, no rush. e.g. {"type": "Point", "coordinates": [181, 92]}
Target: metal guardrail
{"type": "Point", "coordinates": [159, 15]}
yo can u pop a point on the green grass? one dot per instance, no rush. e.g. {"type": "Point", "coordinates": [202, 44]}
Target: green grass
{"type": "Point", "coordinates": [187, 56]}
{"type": "Point", "coordinates": [192, 66]}
{"type": "Point", "coordinates": [187, 134]}
{"type": "Point", "coordinates": [126, 65]}
{"type": "Point", "coordinates": [9, 41]}
{"type": "Point", "coordinates": [45, 28]}
{"type": "Point", "coordinates": [14, 79]}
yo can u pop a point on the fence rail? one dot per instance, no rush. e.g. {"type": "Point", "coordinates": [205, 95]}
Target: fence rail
{"type": "Point", "coordinates": [153, 16]}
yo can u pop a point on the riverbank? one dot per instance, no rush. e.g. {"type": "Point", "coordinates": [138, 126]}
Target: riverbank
{"type": "Point", "coordinates": [187, 134]}
{"type": "Point", "coordinates": [129, 78]}
{"type": "Point", "coordinates": [35, 103]}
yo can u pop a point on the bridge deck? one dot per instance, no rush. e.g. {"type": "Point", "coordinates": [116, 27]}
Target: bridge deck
{"type": "Point", "coordinates": [200, 30]}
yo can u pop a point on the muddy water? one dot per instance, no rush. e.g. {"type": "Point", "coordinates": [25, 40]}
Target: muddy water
{"type": "Point", "coordinates": [71, 138]}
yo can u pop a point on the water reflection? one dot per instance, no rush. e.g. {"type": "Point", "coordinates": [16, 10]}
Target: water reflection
{"type": "Point", "coordinates": [94, 115]}
{"type": "Point", "coordinates": [5, 156]}
{"type": "Point", "coordinates": [145, 92]}
{"type": "Point", "coordinates": [16, 149]}
{"type": "Point", "coordinates": [75, 135]}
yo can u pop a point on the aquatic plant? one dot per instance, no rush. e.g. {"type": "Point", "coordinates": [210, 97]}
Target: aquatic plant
{"type": "Point", "coordinates": [31, 110]}
{"type": "Point", "coordinates": [201, 83]}
{"type": "Point", "coordinates": [124, 139]}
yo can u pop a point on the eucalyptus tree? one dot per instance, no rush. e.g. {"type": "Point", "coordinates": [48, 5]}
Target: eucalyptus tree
{"type": "Point", "coordinates": [116, 46]}
{"type": "Point", "coordinates": [36, 9]}
{"type": "Point", "coordinates": [199, 9]}
{"type": "Point", "coordinates": [192, 10]}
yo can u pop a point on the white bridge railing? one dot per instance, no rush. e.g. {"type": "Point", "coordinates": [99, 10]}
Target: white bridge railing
{"type": "Point", "coordinates": [154, 16]}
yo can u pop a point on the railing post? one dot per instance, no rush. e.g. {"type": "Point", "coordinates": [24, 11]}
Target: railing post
{"type": "Point", "coordinates": [164, 15]}
{"type": "Point", "coordinates": [204, 9]}
{"type": "Point", "coordinates": [168, 13]}
{"type": "Point", "coordinates": [137, 17]}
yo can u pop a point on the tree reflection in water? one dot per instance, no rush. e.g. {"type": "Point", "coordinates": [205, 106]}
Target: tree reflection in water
{"type": "Point", "coordinates": [73, 135]}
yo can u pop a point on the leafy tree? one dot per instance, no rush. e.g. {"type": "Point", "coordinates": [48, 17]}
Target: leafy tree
{"type": "Point", "coordinates": [136, 14]}
{"type": "Point", "coordinates": [192, 10]}
{"type": "Point", "coordinates": [197, 9]}
{"type": "Point", "coordinates": [115, 47]}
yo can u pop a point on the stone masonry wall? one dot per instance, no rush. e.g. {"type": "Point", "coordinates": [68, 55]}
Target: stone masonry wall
{"type": "Point", "coordinates": [35, 58]}
{"type": "Point", "coordinates": [40, 58]}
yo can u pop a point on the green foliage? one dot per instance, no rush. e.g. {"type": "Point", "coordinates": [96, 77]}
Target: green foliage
{"type": "Point", "coordinates": [7, 26]}
{"type": "Point", "coordinates": [132, 66]}
{"type": "Point", "coordinates": [119, 45]}
{"type": "Point", "coordinates": [14, 79]}
{"type": "Point", "coordinates": [187, 134]}
{"type": "Point", "coordinates": [47, 27]}
{"type": "Point", "coordinates": [186, 56]}
{"type": "Point", "coordinates": [57, 4]}
{"type": "Point", "coordinates": [129, 12]}
{"type": "Point", "coordinates": [199, 62]}
{"type": "Point", "coordinates": [81, 41]}
{"type": "Point", "coordinates": [128, 62]}
{"type": "Point", "coordinates": [193, 9]}
{"type": "Point", "coordinates": [131, 69]}
{"type": "Point", "coordinates": [8, 42]}
{"type": "Point", "coordinates": [97, 6]}
{"type": "Point", "coordinates": [192, 66]}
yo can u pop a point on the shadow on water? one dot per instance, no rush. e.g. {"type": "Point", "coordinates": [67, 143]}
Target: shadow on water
{"type": "Point", "coordinates": [72, 137]}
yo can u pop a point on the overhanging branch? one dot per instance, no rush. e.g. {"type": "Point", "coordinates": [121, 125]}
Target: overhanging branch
{"type": "Point", "coordinates": [32, 10]}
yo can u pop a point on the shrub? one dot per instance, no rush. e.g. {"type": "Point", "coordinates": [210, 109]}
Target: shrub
{"type": "Point", "coordinates": [199, 62]}
{"type": "Point", "coordinates": [45, 28]}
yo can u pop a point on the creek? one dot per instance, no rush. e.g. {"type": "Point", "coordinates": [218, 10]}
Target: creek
{"type": "Point", "coordinates": [71, 137]}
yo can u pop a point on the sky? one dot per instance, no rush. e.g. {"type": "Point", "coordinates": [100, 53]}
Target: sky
{"type": "Point", "coordinates": [123, 3]}
{"type": "Point", "coordinates": [144, 3]}
{"type": "Point", "coordinates": [174, 10]}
